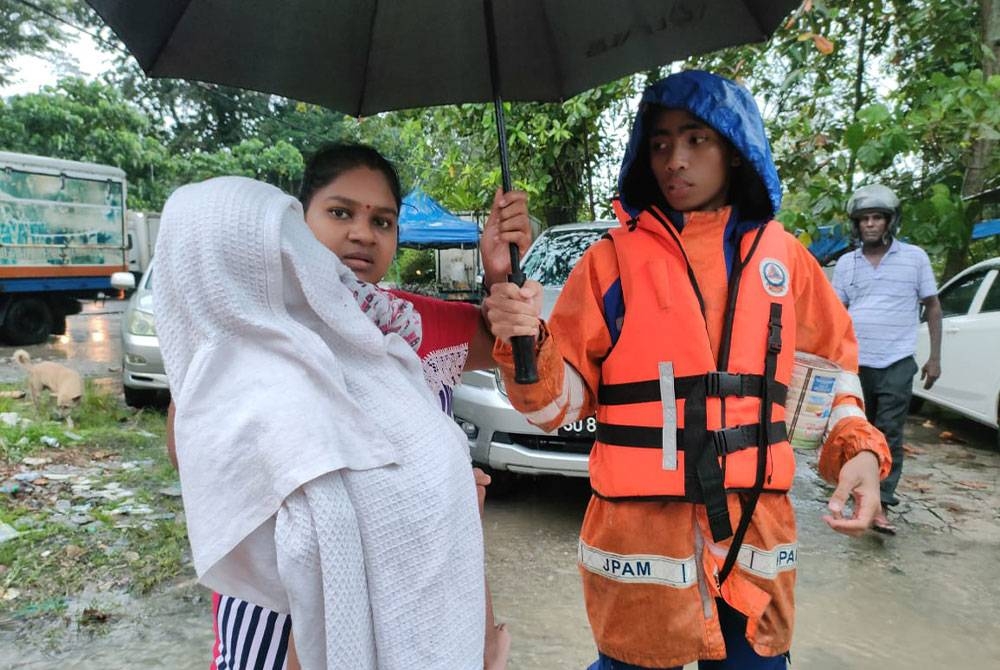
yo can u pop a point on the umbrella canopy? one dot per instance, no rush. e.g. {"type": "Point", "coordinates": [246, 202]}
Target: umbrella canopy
{"type": "Point", "coordinates": [425, 224]}
{"type": "Point", "coordinates": [367, 56]}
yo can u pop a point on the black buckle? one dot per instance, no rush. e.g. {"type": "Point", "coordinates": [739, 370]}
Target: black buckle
{"type": "Point", "coordinates": [774, 338]}
{"type": "Point", "coordinates": [722, 384]}
{"type": "Point", "coordinates": [720, 441]}
{"type": "Point", "coordinates": [774, 329]}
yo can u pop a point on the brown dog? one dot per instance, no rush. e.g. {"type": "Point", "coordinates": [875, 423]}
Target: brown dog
{"type": "Point", "coordinates": [65, 384]}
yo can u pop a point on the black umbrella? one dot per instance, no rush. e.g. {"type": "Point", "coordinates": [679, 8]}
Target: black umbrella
{"type": "Point", "coordinates": [367, 56]}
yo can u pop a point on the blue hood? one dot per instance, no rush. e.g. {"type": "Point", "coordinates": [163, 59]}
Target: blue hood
{"type": "Point", "coordinates": [732, 112]}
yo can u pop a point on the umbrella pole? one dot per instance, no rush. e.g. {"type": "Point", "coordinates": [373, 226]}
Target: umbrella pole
{"type": "Point", "coordinates": [525, 370]}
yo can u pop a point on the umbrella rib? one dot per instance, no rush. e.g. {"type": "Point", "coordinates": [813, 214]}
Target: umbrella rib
{"type": "Point", "coordinates": [167, 35]}
{"type": "Point", "coordinates": [368, 59]}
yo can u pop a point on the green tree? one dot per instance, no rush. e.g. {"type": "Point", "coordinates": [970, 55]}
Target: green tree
{"type": "Point", "coordinates": [29, 29]}
{"type": "Point", "coordinates": [897, 91]}
{"type": "Point", "coordinates": [88, 121]}
{"type": "Point", "coordinates": [452, 151]}
{"type": "Point", "coordinates": [92, 121]}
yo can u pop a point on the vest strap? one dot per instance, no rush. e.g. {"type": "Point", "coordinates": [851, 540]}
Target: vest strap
{"type": "Point", "coordinates": [725, 441]}
{"type": "Point", "coordinates": [750, 505]}
{"type": "Point", "coordinates": [717, 385]}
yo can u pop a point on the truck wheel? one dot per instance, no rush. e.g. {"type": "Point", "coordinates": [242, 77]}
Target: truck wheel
{"type": "Point", "coordinates": [59, 325]}
{"type": "Point", "coordinates": [28, 321]}
{"type": "Point", "coordinates": [139, 398]}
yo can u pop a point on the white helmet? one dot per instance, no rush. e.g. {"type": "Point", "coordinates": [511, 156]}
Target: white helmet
{"type": "Point", "coordinates": [875, 198]}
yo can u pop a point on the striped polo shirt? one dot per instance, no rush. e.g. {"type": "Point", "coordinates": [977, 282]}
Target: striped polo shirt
{"type": "Point", "coordinates": [884, 301]}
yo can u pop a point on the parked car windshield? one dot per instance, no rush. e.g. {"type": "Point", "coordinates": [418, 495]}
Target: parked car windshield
{"type": "Point", "coordinates": [957, 298]}
{"type": "Point", "coordinates": [556, 252]}
{"type": "Point", "coordinates": [992, 301]}
{"type": "Point", "coordinates": [149, 281]}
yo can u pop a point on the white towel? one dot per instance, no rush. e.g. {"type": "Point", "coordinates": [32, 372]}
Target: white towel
{"type": "Point", "coordinates": [279, 380]}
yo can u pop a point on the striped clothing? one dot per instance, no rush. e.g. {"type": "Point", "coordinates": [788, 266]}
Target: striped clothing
{"type": "Point", "coordinates": [884, 301]}
{"type": "Point", "coordinates": [250, 637]}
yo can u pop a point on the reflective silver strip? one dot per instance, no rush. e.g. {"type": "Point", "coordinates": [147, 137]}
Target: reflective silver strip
{"type": "Point", "coordinates": [842, 412]}
{"type": "Point", "coordinates": [768, 564]}
{"type": "Point", "coordinates": [668, 398]}
{"type": "Point", "coordinates": [577, 392]}
{"type": "Point", "coordinates": [570, 399]}
{"type": "Point", "coordinates": [849, 383]}
{"type": "Point", "coordinates": [639, 568]}
{"type": "Point", "coordinates": [706, 598]}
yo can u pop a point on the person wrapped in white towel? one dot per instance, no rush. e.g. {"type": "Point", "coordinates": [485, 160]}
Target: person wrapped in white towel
{"type": "Point", "coordinates": [319, 475]}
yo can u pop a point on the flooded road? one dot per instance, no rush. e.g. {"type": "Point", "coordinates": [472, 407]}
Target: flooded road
{"type": "Point", "coordinates": [926, 598]}
{"type": "Point", "coordinates": [91, 345]}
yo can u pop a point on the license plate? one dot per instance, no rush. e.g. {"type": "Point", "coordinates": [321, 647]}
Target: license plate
{"type": "Point", "coordinates": [584, 428]}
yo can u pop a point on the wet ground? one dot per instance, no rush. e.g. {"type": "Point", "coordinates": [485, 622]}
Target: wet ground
{"type": "Point", "coordinates": [927, 598]}
{"type": "Point", "coordinates": [91, 345]}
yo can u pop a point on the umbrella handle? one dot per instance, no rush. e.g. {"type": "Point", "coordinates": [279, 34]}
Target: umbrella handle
{"type": "Point", "coordinates": [525, 369]}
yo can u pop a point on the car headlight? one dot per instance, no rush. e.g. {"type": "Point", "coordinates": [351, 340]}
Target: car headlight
{"type": "Point", "coordinates": [141, 323]}
{"type": "Point", "coordinates": [500, 384]}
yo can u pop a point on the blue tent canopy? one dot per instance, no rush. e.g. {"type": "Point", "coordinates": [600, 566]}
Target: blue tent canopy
{"type": "Point", "coordinates": [828, 243]}
{"type": "Point", "coordinates": [424, 224]}
{"type": "Point", "coordinates": [986, 228]}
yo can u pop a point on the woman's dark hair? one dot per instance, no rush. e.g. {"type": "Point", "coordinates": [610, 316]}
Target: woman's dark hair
{"type": "Point", "coordinates": [332, 160]}
{"type": "Point", "coordinates": [746, 189]}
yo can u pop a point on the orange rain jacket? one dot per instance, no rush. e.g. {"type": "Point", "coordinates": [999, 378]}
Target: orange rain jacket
{"type": "Point", "coordinates": [650, 564]}
{"type": "Point", "coordinates": [657, 625]}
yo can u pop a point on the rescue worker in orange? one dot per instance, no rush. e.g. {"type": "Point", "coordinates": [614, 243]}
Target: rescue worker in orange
{"type": "Point", "coordinates": [679, 330]}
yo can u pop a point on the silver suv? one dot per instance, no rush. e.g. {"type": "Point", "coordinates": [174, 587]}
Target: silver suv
{"type": "Point", "coordinates": [500, 439]}
{"type": "Point", "coordinates": [143, 378]}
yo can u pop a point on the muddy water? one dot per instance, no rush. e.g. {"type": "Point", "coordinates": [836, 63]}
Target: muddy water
{"type": "Point", "coordinates": [91, 345]}
{"type": "Point", "coordinates": [925, 598]}
{"type": "Point", "coordinates": [172, 629]}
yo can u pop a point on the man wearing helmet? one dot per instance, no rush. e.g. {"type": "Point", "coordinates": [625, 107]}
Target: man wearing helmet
{"type": "Point", "coordinates": [883, 283]}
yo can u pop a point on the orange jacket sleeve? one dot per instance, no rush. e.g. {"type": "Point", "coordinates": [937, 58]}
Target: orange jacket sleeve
{"type": "Point", "coordinates": [574, 345]}
{"type": "Point", "coordinates": [824, 328]}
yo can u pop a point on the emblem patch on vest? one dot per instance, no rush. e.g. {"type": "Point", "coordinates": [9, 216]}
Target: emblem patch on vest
{"type": "Point", "coordinates": [774, 276]}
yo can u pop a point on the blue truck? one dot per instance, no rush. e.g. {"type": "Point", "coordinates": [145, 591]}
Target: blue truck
{"type": "Point", "coordinates": [62, 236]}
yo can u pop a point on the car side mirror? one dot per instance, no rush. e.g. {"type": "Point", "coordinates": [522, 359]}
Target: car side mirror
{"type": "Point", "coordinates": [124, 281]}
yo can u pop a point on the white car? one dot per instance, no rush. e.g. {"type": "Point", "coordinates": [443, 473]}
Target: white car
{"type": "Point", "coordinates": [500, 439]}
{"type": "Point", "coordinates": [970, 345]}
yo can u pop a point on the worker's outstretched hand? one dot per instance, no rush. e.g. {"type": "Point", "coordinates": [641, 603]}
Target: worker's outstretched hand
{"type": "Point", "coordinates": [858, 480]}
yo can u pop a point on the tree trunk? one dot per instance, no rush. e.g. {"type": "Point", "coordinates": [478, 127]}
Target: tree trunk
{"type": "Point", "coordinates": [977, 160]}
{"type": "Point", "coordinates": [859, 84]}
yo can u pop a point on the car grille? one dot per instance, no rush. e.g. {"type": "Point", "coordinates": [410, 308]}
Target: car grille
{"type": "Point", "coordinates": [565, 445]}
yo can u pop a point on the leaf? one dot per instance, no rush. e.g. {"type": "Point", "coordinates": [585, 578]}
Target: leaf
{"type": "Point", "coordinates": [823, 45]}
{"type": "Point", "coordinates": [854, 136]}
{"type": "Point", "coordinates": [874, 114]}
